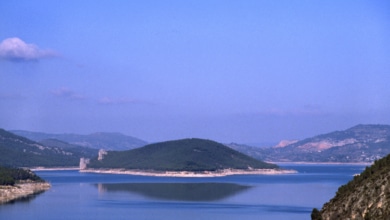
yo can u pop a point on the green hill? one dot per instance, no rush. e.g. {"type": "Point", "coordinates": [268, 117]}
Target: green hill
{"type": "Point", "coordinates": [367, 196]}
{"type": "Point", "coordinates": [180, 155]}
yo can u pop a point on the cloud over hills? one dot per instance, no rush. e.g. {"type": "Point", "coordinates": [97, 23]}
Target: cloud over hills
{"type": "Point", "coordinates": [15, 49]}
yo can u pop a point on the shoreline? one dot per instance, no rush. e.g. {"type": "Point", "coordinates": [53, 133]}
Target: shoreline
{"type": "Point", "coordinates": [21, 190]}
{"type": "Point", "coordinates": [273, 162]}
{"type": "Point", "coordinates": [219, 173]}
{"type": "Point", "coordinates": [321, 163]}
{"type": "Point", "coordinates": [52, 168]}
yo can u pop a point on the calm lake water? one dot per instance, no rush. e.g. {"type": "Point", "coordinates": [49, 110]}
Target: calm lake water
{"type": "Point", "coordinates": [77, 195]}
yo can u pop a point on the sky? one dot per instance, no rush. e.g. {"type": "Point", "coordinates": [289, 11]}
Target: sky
{"type": "Point", "coordinates": [231, 71]}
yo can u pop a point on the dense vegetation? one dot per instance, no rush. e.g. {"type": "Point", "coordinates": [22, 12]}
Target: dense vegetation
{"type": "Point", "coordinates": [376, 172]}
{"type": "Point", "coordinates": [10, 176]}
{"type": "Point", "coordinates": [180, 155]}
{"type": "Point", "coordinates": [367, 196]}
{"type": "Point", "coordinates": [17, 151]}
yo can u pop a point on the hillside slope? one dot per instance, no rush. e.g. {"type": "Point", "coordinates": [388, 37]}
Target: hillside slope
{"type": "Point", "coordinates": [367, 196]}
{"type": "Point", "coordinates": [179, 155]}
{"type": "Point", "coordinates": [99, 140]}
{"type": "Point", "coordinates": [362, 143]}
{"type": "Point", "coordinates": [17, 151]}
{"type": "Point", "coordinates": [75, 149]}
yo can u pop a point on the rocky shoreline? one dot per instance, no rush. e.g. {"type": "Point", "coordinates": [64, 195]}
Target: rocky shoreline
{"type": "Point", "coordinates": [52, 168]}
{"type": "Point", "coordinates": [218, 173]}
{"type": "Point", "coordinates": [21, 190]}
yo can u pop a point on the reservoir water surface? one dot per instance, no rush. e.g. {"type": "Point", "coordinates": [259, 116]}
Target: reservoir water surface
{"type": "Point", "coordinates": [77, 195]}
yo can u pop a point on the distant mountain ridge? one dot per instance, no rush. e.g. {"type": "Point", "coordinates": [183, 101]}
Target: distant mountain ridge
{"type": "Point", "coordinates": [361, 143]}
{"type": "Point", "coordinates": [98, 140]}
{"type": "Point", "coordinates": [363, 135]}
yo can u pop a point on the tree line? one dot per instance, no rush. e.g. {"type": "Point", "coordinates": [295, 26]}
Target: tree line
{"type": "Point", "coordinates": [10, 176]}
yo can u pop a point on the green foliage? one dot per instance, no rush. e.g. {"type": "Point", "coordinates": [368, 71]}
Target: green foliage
{"type": "Point", "coordinates": [180, 155]}
{"type": "Point", "coordinates": [10, 176]}
{"type": "Point", "coordinates": [372, 173]}
{"type": "Point", "coordinates": [367, 196]}
{"type": "Point", "coordinates": [316, 215]}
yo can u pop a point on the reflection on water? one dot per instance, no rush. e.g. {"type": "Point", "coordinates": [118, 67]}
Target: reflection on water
{"type": "Point", "coordinates": [177, 191]}
{"type": "Point", "coordinates": [23, 199]}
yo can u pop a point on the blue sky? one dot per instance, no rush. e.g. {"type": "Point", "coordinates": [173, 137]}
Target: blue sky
{"type": "Point", "coordinates": [231, 71]}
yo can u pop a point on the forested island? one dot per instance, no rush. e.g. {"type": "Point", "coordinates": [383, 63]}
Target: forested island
{"type": "Point", "coordinates": [186, 157]}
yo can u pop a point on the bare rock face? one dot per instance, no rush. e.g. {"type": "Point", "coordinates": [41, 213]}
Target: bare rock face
{"type": "Point", "coordinates": [367, 196]}
{"type": "Point", "coordinates": [284, 143]}
{"type": "Point", "coordinates": [358, 144]}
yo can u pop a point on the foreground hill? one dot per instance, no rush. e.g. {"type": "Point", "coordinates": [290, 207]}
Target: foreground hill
{"type": "Point", "coordinates": [362, 143]}
{"type": "Point", "coordinates": [99, 140]}
{"type": "Point", "coordinates": [180, 155]}
{"type": "Point", "coordinates": [367, 196]}
{"type": "Point", "coordinates": [17, 151]}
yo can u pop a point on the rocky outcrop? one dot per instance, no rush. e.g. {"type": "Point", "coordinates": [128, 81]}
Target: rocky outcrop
{"type": "Point", "coordinates": [359, 144]}
{"type": "Point", "coordinates": [21, 190]}
{"type": "Point", "coordinates": [367, 196]}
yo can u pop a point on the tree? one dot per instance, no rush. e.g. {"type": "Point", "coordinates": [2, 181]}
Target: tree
{"type": "Point", "coordinates": [316, 215]}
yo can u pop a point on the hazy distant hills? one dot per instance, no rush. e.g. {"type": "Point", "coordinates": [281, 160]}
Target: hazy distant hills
{"type": "Point", "coordinates": [362, 143]}
{"type": "Point", "coordinates": [179, 155]}
{"type": "Point", "coordinates": [18, 151]}
{"type": "Point", "coordinates": [100, 140]}
{"type": "Point", "coordinates": [367, 196]}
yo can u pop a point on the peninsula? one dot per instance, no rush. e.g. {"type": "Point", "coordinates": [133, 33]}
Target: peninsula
{"type": "Point", "coordinates": [17, 183]}
{"type": "Point", "coordinates": [180, 158]}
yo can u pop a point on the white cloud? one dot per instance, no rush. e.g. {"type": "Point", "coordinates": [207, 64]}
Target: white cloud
{"type": "Point", "coordinates": [123, 101]}
{"type": "Point", "coordinates": [65, 92]}
{"type": "Point", "coordinates": [14, 49]}
{"type": "Point", "coordinates": [111, 101]}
